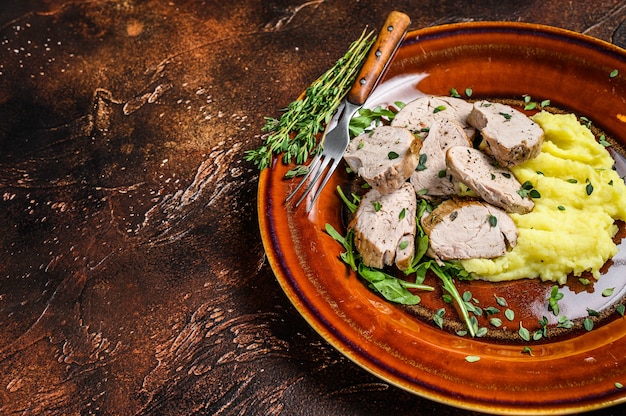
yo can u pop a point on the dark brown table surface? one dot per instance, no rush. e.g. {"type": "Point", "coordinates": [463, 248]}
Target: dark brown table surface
{"type": "Point", "coordinates": [133, 279]}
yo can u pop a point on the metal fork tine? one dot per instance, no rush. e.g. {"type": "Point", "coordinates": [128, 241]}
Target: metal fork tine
{"type": "Point", "coordinates": [312, 168]}
{"type": "Point", "coordinates": [315, 180]}
{"type": "Point", "coordinates": [318, 191]}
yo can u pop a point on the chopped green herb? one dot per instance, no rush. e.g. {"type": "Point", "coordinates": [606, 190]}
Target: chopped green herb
{"type": "Point", "coordinates": [493, 221]}
{"type": "Point", "coordinates": [613, 73]}
{"type": "Point", "coordinates": [561, 208]}
{"type": "Point", "coordinates": [501, 301]}
{"type": "Point", "coordinates": [497, 322]}
{"type": "Point", "coordinates": [608, 292]}
{"type": "Point", "coordinates": [530, 106]}
{"type": "Point", "coordinates": [454, 93]}
{"type": "Point", "coordinates": [602, 140]}
{"type": "Point", "coordinates": [468, 92]}
{"type": "Point", "coordinates": [442, 173]}
{"type": "Point", "coordinates": [620, 309]}
{"type": "Point", "coordinates": [295, 133]}
{"type": "Point", "coordinates": [553, 300]}
{"type": "Point", "coordinates": [403, 245]}
{"type": "Point", "coordinates": [534, 194]}
{"type": "Point", "coordinates": [421, 165]}
{"type": "Point", "coordinates": [392, 155]}
{"type": "Point", "coordinates": [588, 323]}
{"type": "Point", "coordinates": [523, 332]}
{"type": "Point", "coordinates": [584, 281]}
{"type": "Point", "coordinates": [506, 116]}
{"type": "Point", "coordinates": [572, 180]}
{"type": "Point", "coordinates": [438, 317]}
{"type": "Point", "coordinates": [472, 358]}
{"type": "Point", "coordinates": [564, 322]}
{"type": "Point", "coordinates": [439, 108]}
{"type": "Point", "coordinates": [527, 350]}
{"type": "Point", "coordinates": [510, 314]}
{"type": "Point", "coordinates": [491, 310]}
{"type": "Point", "coordinates": [377, 205]}
{"type": "Point", "coordinates": [402, 214]}
{"type": "Point", "coordinates": [299, 170]}
{"type": "Point", "coordinates": [589, 188]}
{"type": "Point", "coordinates": [619, 385]}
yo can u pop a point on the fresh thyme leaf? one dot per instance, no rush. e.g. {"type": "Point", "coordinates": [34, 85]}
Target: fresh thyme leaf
{"type": "Point", "coordinates": [510, 314]}
{"type": "Point", "coordinates": [422, 162]}
{"type": "Point", "coordinates": [295, 133]}
{"type": "Point", "coordinates": [608, 292]}
{"type": "Point", "coordinates": [438, 317]}
{"type": "Point", "coordinates": [501, 301]}
{"type": "Point", "coordinates": [553, 300]}
{"type": "Point", "coordinates": [523, 332]}
{"type": "Point", "coordinates": [602, 140]}
{"type": "Point", "coordinates": [299, 170]}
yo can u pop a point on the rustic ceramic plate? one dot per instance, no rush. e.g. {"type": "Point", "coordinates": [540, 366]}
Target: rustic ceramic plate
{"type": "Point", "coordinates": [568, 371]}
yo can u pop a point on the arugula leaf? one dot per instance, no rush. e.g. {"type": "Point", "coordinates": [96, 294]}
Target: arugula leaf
{"type": "Point", "coordinates": [390, 287]}
{"type": "Point", "coordinates": [349, 256]}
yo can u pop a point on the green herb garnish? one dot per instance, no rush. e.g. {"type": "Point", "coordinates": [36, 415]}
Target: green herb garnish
{"type": "Point", "coordinates": [296, 132]}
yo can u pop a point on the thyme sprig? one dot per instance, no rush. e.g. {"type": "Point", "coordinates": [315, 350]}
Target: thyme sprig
{"type": "Point", "coordinates": [296, 132]}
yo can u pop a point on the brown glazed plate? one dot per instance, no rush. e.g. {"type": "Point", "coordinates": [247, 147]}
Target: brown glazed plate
{"type": "Point", "coordinates": [569, 370]}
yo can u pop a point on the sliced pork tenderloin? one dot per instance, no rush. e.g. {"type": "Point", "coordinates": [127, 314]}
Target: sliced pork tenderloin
{"type": "Point", "coordinates": [495, 184]}
{"type": "Point", "coordinates": [510, 136]}
{"type": "Point", "coordinates": [385, 157]}
{"type": "Point", "coordinates": [384, 227]}
{"type": "Point", "coordinates": [421, 113]}
{"type": "Point", "coordinates": [431, 179]}
{"type": "Point", "coordinates": [467, 229]}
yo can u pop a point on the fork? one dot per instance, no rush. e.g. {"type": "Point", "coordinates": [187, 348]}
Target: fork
{"type": "Point", "coordinates": [336, 141]}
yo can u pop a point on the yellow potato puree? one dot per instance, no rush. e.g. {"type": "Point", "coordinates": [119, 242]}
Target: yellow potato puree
{"type": "Point", "coordinates": [568, 231]}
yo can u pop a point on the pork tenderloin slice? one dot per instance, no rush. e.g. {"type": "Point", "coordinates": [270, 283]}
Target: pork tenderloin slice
{"type": "Point", "coordinates": [511, 137]}
{"type": "Point", "coordinates": [431, 179]}
{"type": "Point", "coordinates": [421, 113]}
{"type": "Point", "coordinates": [384, 227]}
{"type": "Point", "coordinates": [468, 229]}
{"type": "Point", "coordinates": [385, 157]}
{"type": "Point", "coordinates": [495, 184]}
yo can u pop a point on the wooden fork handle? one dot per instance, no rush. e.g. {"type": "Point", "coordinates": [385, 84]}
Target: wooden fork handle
{"type": "Point", "coordinates": [379, 56]}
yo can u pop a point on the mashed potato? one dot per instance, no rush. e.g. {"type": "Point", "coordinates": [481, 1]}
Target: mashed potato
{"type": "Point", "coordinates": [569, 230]}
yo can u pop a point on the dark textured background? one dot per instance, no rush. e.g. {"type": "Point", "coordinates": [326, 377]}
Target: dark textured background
{"type": "Point", "coordinates": [132, 275]}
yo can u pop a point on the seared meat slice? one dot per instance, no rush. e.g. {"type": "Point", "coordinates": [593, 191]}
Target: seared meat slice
{"type": "Point", "coordinates": [384, 227]}
{"type": "Point", "coordinates": [511, 137]}
{"type": "Point", "coordinates": [496, 185]}
{"type": "Point", "coordinates": [421, 113]}
{"type": "Point", "coordinates": [385, 157]}
{"type": "Point", "coordinates": [431, 178]}
{"type": "Point", "coordinates": [468, 229]}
